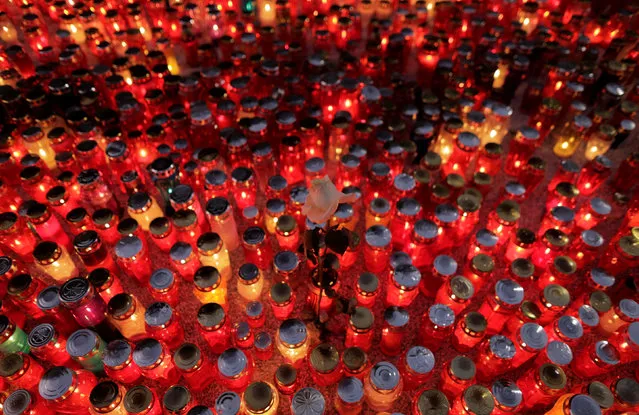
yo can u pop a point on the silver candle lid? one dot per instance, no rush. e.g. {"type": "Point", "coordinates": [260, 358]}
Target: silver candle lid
{"type": "Point", "coordinates": [592, 238]}
{"type": "Point", "coordinates": [629, 308]}
{"type": "Point", "coordinates": [570, 327]}
{"type": "Point", "coordinates": [384, 376]}
{"type": "Point", "coordinates": [600, 206]}
{"type": "Point", "coordinates": [350, 390]}
{"type": "Point", "coordinates": [81, 342]}
{"type": "Point", "coordinates": [228, 403]}
{"type": "Point", "coordinates": [461, 287]}
{"type": "Point", "coordinates": [559, 353]}
{"type": "Point", "coordinates": [584, 405]}
{"type": "Point", "coordinates": [588, 316]}
{"type": "Point", "coordinates": [486, 238]}
{"type": "Point", "coordinates": [627, 391]}
{"type": "Point", "coordinates": [292, 331]}
{"type": "Point", "coordinates": [396, 316]}
{"type": "Point", "coordinates": [445, 265]}
{"type": "Point", "coordinates": [308, 401]}
{"type": "Point", "coordinates": [420, 359]}
{"type": "Point", "coordinates": [441, 315]}
{"type": "Point", "coordinates": [502, 346]}
{"type": "Point", "coordinates": [602, 278]}
{"type": "Point", "coordinates": [509, 292]}
{"type": "Point", "coordinates": [232, 362]}
{"type": "Point", "coordinates": [399, 258]}
{"type": "Point", "coordinates": [533, 336]}
{"type": "Point", "coordinates": [606, 352]}
{"type": "Point", "coordinates": [263, 340]}
{"type": "Point", "coordinates": [17, 403]}
{"type": "Point", "coordinates": [128, 247]}
{"type": "Point", "coordinates": [378, 236]}
{"type": "Point", "coordinates": [426, 229]}
{"type": "Point", "coordinates": [404, 182]}
{"type": "Point", "coordinates": [407, 276]}
{"type": "Point", "coordinates": [468, 140]}
{"type": "Point", "coordinates": [633, 333]}
{"type": "Point", "coordinates": [380, 206]}
{"type": "Point", "coordinates": [408, 206]}
{"type": "Point", "coordinates": [507, 393]}
{"type": "Point", "coordinates": [446, 213]}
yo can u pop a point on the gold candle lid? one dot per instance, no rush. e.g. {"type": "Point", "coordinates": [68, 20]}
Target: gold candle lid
{"type": "Point", "coordinates": [479, 400]}
{"type": "Point", "coordinates": [432, 402]}
{"type": "Point", "coordinates": [324, 358]}
{"type": "Point", "coordinates": [258, 396]}
{"type": "Point", "coordinates": [552, 376]}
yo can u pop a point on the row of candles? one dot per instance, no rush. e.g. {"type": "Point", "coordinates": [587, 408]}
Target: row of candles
{"type": "Point", "coordinates": [78, 163]}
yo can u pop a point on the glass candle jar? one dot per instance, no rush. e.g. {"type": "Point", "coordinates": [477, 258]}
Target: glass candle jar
{"type": "Point", "coordinates": [48, 345]}
{"type": "Point", "coordinates": [132, 256]}
{"type": "Point", "coordinates": [469, 331]}
{"type": "Point", "coordinates": [592, 213]}
{"type": "Point", "coordinates": [24, 402]}
{"type": "Point", "coordinates": [282, 300]}
{"type": "Point", "coordinates": [154, 360]}
{"type": "Point", "coordinates": [242, 335]}
{"type": "Point", "coordinates": [257, 248]}
{"type": "Point", "coordinates": [463, 152]}
{"type": "Point", "coordinates": [393, 330]}
{"type": "Point", "coordinates": [21, 371]}
{"type": "Point", "coordinates": [163, 233]}
{"type": "Point", "coordinates": [436, 325]}
{"type": "Point", "coordinates": [367, 289]}
{"type": "Point", "coordinates": [86, 306]}
{"type": "Point", "coordinates": [213, 253]}
{"type": "Point", "coordinates": [430, 401]}
{"type": "Point", "coordinates": [209, 286]}
{"type": "Point", "coordinates": [163, 324]}
{"type": "Point", "coordinates": [378, 212]}
{"type": "Point", "coordinates": [574, 404]}
{"type": "Point", "coordinates": [483, 242]}
{"type": "Point", "coordinates": [164, 286]}
{"type": "Point", "coordinates": [495, 357]}
{"type": "Point", "coordinates": [620, 255]}
{"type": "Point", "coordinates": [287, 233]}
{"type": "Point", "coordinates": [324, 364]}
{"type": "Point", "coordinates": [593, 174]}
{"type": "Point", "coordinates": [425, 234]}
{"type": "Point", "coordinates": [292, 341]}
{"type": "Point", "coordinates": [195, 368]}
{"type": "Point", "coordinates": [250, 282]}
{"type": "Point", "coordinates": [106, 283]}
{"type": "Point", "coordinates": [498, 307]}
{"type": "Point", "coordinates": [383, 386]}
{"type": "Point", "coordinates": [260, 398]}
{"type": "Point", "coordinates": [46, 225]}
{"type": "Point", "coordinates": [350, 396]}
{"type": "Point", "coordinates": [22, 290]}
{"type": "Point", "coordinates": [479, 270]}
{"type": "Point", "coordinates": [143, 401]}
{"type": "Point", "coordinates": [443, 268]}
{"type": "Point", "coordinates": [286, 379]}
{"type": "Point", "coordinates": [404, 285]}
{"type": "Point", "coordinates": [92, 251]}
{"type": "Point", "coordinates": [456, 294]}
{"type": "Point", "coordinates": [416, 367]}
{"type": "Point", "coordinates": [457, 375]}
{"type": "Point", "coordinates": [503, 220]}
{"type": "Point", "coordinates": [143, 208]}
{"type": "Point", "coordinates": [619, 316]}
{"type": "Point", "coordinates": [552, 301]}
{"type": "Point", "coordinates": [508, 397]}
{"type": "Point", "coordinates": [287, 266]}
{"type": "Point", "coordinates": [551, 244]}
{"type": "Point", "coordinates": [359, 332]}
{"type": "Point", "coordinates": [255, 314]}
{"type": "Point", "coordinates": [214, 326]}
{"type": "Point", "coordinates": [107, 397]}
{"type": "Point", "coordinates": [55, 261]}
{"type": "Point", "coordinates": [184, 259]}
{"type": "Point", "coordinates": [50, 303]}
{"type": "Point", "coordinates": [86, 348]}
{"type": "Point", "coordinates": [67, 390]}
{"type": "Point", "coordinates": [529, 341]}
{"type": "Point", "coordinates": [127, 314]}
{"type": "Point", "coordinates": [543, 385]}
{"type": "Point", "coordinates": [520, 244]}
{"type": "Point", "coordinates": [235, 369]}
{"type": "Point", "coordinates": [567, 329]}
{"type": "Point", "coordinates": [118, 362]}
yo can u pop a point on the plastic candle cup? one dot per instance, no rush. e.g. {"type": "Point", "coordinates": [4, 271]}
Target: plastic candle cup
{"type": "Point", "coordinates": [498, 307]}
{"type": "Point", "coordinates": [479, 270]}
{"type": "Point", "coordinates": [213, 253]}
{"type": "Point", "coordinates": [551, 244]}
{"type": "Point", "coordinates": [92, 251]}
{"type": "Point", "coordinates": [292, 341]}
{"type": "Point", "coordinates": [21, 371]}
{"type": "Point", "coordinates": [154, 360]}
{"type": "Point", "coordinates": [503, 220]}
{"type": "Point", "coordinates": [255, 314]}
{"type": "Point", "coordinates": [220, 215]}
{"type": "Point", "coordinates": [127, 314]}
{"type": "Point", "coordinates": [196, 369]}
{"type": "Point", "coordinates": [359, 332]}
{"type": "Point", "coordinates": [107, 397]}
{"type": "Point", "coordinates": [105, 282]}
{"type": "Point", "coordinates": [260, 398]}
{"type": "Point", "coordinates": [118, 362]}
{"type": "Point", "coordinates": [508, 397]}
{"type": "Point", "coordinates": [552, 301]}
{"type": "Point", "coordinates": [275, 208]}
{"type": "Point", "coordinates": [286, 379]}
{"type": "Point", "coordinates": [235, 369]}
{"type": "Point", "coordinates": [416, 367]}
{"type": "Point", "coordinates": [324, 364]}
{"type": "Point", "coordinates": [48, 345]}
{"type": "Point", "coordinates": [394, 328]}
{"type": "Point", "coordinates": [443, 268]}
{"type": "Point", "coordinates": [164, 286]}
{"type": "Point", "coordinates": [495, 357]}
{"type": "Point", "coordinates": [287, 233]}
{"type": "Point", "coordinates": [214, 326]}
{"type": "Point", "coordinates": [162, 323]}
{"type": "Point", "coordinates": [140, 400]}
{"type": "Point", "coordinates": [67, 390]}
{"type": "Point", "coordinates": [183, 197]}
{"type": "Point", "coordinates": [263, 346]}
{"type": "Point", "coordinates": [383, 386]}
{"type": "Point", "coordinates": [436, 325]}
{"type": "Point", "coordinates": [143, 208]}
{"type": "Point", "coordinates": [55, 261]}
{"type": "Point", "coordinates": [367, 289]}
{"type": "Point", "coordinates": [469, 331]}
{"type": "Point", "coordinates": [378, 212]}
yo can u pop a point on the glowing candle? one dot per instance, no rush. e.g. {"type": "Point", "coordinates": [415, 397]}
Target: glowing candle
{"type": "Point", "coordinates": [93, 253]}
{"type": "Point", "coordinates": [127, 314]}
{"type": "Point", "coordinates": [250, 282]}
{"type": "Point", "coordinates": [367, 289]}
{"type": "Point", "coordinates": [143, 401]}
{"type": "Point", "coordinates": [260, 398]}
{"type": "Point", "coordinates": [48, 345]}
{"type": "Point", "coordinates": [143, 208]}
{"type": "Point", "coordinates": [36, 143]}
{"type": "Point", "coordinates": [24, 402]}
{"type": "Point", "coordinates": [569, 138]}
{"type": "Point", "coordinates": [405, 280]}
{"type": "Point", "coordinates": [220, 214]}
{"type": "Point", "coordinates": [542, 386]}
{"type": "Point", "coordinates": [443, 268]}
{"type": "Point", "coordinates": [383, 386]}
{"type": "Point", "coordinates": [494, 357]}
{"type": "Point", "coordinates": [394, 328]}
{"type": "Point", "coordinates": [286, 379]}
{"type": "Point", "coordinates": [508, 397]}
{"type": "Point", "coordinates": [164, 286]}
{"type": "Point", "coordinates": [475, 399]}
{"type": "Point", "coordinates": [377, 248]}
{"type": "Point", "coordinates": [184, 259]}
{"type": "Point", "coordinates": [503, 220]}
{"type": "Point", "coordinates": [86, 348]}
{"type": "Point", "coordinates": [359, 332]}
{"type": "Point", "coordinates": [600, 141]}
{"type": "Point", "coordinates": [163, 323]}
{"type": "Point", "coordinates": [619, 316]}
{"type": "Point", "coordinates": [520, 244]}
{"type": "Point", "coordinates": [287, 233]}
{"type": "Point", "coordinates": [55, 261]}
{"type": "Point", "coordinates": [67, 390]}
{"type": "Point", "coordinates": [214, 326]}
{"type": "Point", "coordinates": [22, 290]}
{"type": "Point", "coordinates": [324, 364]}
{"type": "Point", "coordinates": [529, 341]}
{"type": "Point", "coordinates": [416, 367]}
{"type": "Point", "coordinates": [235, 369]}
{"type": "Point", "coordinates": [132, 256]}
{"type": "Point", "coordinates": [292, 341]}
{"type": "Point", "coordinates": [21, 371]}
{"type": "Point", "coordinates": [154, 360]}
{"type": "Point", "coordinates": [282, 300]}
{"type": "Point", "coordinates": [209, 287]}
{"type": "Point", "coordinates": [195, 367]}
{"type": "Point", "coordinates": [16, 236]}
{"type": "Point", "coordinates": [107, 397]}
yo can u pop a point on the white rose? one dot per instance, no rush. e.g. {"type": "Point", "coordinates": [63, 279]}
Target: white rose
{"type": "Point", "coordinates": [323, 198]}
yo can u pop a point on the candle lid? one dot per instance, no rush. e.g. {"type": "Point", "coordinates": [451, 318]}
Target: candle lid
{"type": "Point", "coordinates": [606, 352]}
{"type": "Point", "coordinates": [293, 331]}
{"type": "Point", "coordinates": [248, 272]}
{"type": "Point", "coordinates": [6, 263]}
{"type": "Point", "coordinates": [286, 374]}
{"type": "Point", "coordinates": [316, 164]}
{"type": "Point", "coordinates": [281, 292]}
{"type": "Point", "coordinates": [601, 394]}
{"type": "Point", "coordinates": [88, 176]}
{"type": "Point", "coordinates": [275, 206]}
{"type": "Point", "coordinates": [104, 394]}
{"type": "Point", "coordinates": [486, 238]}
{"type": "Point", "coordinates": [559, 353]}
{"type": "Point", "coordinates": [217, 206]}
{"type": "Point", "coordinates": [482, 263]}
{"type": "Point", "coordinates": [570, 327]}
{"type": "Point", "coordinates": [396, 316]}
{"type": "Point", "coordinates": [446, 213]}
{"type": "Point", "coordinates": [552, 376]}
{"type": "Point", "coordinates": [324, 358]}
{"type": "Point", "coordinates": [420, 359]}
{"type": "Point", "coordinates": [468, 140]}
{"type": "Point", "coordinates": [209, 241]}
{"type": "Point", "coordinates": [555, 295]}
{"type": "Point", "coordinates": [10, 364]}
{"type": "Point", "coordinates": [158, 314]}
{"type": "Point", "coordinates": [211, 315]}
{"type": "Point", "coordinates": [161, 279]}
{"type": "Point", "coordinates": [404, 182]}
{"type": "Point", "coordinates": [507, 393]}
{"type": "Point", "coordinates": [533, 336]}
{"type": "Point", "coordinates": [128, 247]}
{"type": "Point", "coordinates": [584, 405]}
{"type": "Point", "coordinates": [18, 284]}
{"type": "Point", "coordinates": [241, 174]}
{"type": "Point", "coordinates": [308, 401]}
{"type": "Point", "coordinates": [562, 214]}
{"type": "Point", "coordinates": [17, 403]}
{"type": "Point", "coordinates": [350, 390]}
{"type": "Point", "coordinates": [426, 229]}
{"type": "Point", "coordinates": [432, 402]}
{"type": "Point", "coordinates": [588, 316]}
{"type": "Point", "coordinates": [567, 189]}
{"type": "Point", "coordinates": [126, 226]}
{"type": "Point", "coordinates": [228, 403]}
{"type": "Point", "coordinates": [522, 268]}
{"type": "Point", "coordinates": [176, 398]}
{"type": "Point", "coordinates": [461, 287]}
{"type": "Point", "coordinates": [385, 376]}
{"type": "Point", "coordinates": [254, 235]}
{"type": "Point", "coordinates": [445, 265]}
{"type": "Point", "coordinates": [407, 275]}
{"type": "Point", "coordinates": [380, 169]}
{"type": "Point", "coordinates": [368, 282]}
{"type": "Point", "coordinates": [600, 301]}
{"type": "Point", "coordinates": [378, 236]}
{"type": "Point", "coordinates": [46, 252]}
{"type": "Point", "coordinates": [56, 382]}
{"type": "Point", "coordinates": [627, 391]}
{"type": "Point", "coordinates": [362, 318]}
{"type": "Point", "coordinates": [629, 309]}
{"type": "Point", "coordinates": [206, 277]}
{"type": "Point", "coordinates": [462, 367]}
{"type": "Point", "coordinates": [85, 241]}
{"type": "Point", "coordinates": [41, 335]}
{"type": "Point", "coordinates": [138, 399]}
{"type": "Point", "coordinates": [263, 340]}
{"type": "Point", "coordinates": [116, 149]}
{"type": "Point", "coordinates": [81, 342]}
{"type": "Point", "coordinates": [258, 396]}
{"type": "Point", "coordinates": [440, 315]}
{"type": "Point", "coordinates": [502, 346]}
{"type": "Point", "coordinates": [184, 218]}
{"type": "Point", "coordinates": [529, 133]}
{"type": "Point", "coordinates": [277, 183]}
{"type": "Point", "coordinates": [120, 305]}
{"type": "Point", "coordinates": [232, 362]}
{"type": "Point", "coordinates": [139, 201]}
{"type": "Point", "coordinates": [215, 177]}
{"type": "Point", "coordinates": [479, 400]}
{"type": "Point", "coordinates": [286, 261]}
{"type": "Point", "coordinates": [74, 290]}
{"type": "Point", "coordinates": [181, 194]}
{"type": "Point", "coordinates": [116, 353]}
{"type": "Point", "coordinates": [380, 206]}
{"type": "Point", "coordinates": [147, 352]}
{"type": "Point", "coordinates": [508, 211]}
{"type": "Point", "coordinates": [475, 322]}
{"type": "Point", "coordinates": [181, 251]}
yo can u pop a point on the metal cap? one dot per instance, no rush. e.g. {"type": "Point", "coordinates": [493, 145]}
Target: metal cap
{"type": "Point", "coordinates": [81, 342]}
{"type": "Point", "coordinates": [104, 394]}
{"type": "Point", "coordinates": [592, 238]}
{"type": "Point", "coordinates": [187, 356]}
{"type": "Point", "coordinates": [555, 295]}
{"type": "Point", "coordinates": [407, 276]}
{"type": "Point", "coordinates": [161, 279]}
{"type": "Point", "coordinates": [462, 367]}
{"type": "Point", "coordinates": [254, 235]}
{"type": "Point", "coordinates": [502, 346]}
{"type": "Point", "coordinates": [138, 399]}
{"type": "Point", "coordinates": [441, 315]}
{"type": "Point", "coordinates": [445, 265]}
{"type": "Point", "coordinates": [479, 400]}
{"type": "Point", "coordinates": [258, 396]}
{"type": "Point", "coordinates": [40, 335]}
{"type": "Point", "coordinates": [232, 362]}
{"type": "Point", "coordinates": [55, 382]}
{"type": "Point", "coordinates": [408, 206]}
{"type": "Point", "coordinates": [483, 263]}
{"type": "Point", "coordinates": [533, 336]}
{"type": "Point", "coordinates": [384, 376]}
{"type": "Point", "coordinates": [362, 318]}
{"type": "Point", "coordinates": [206, 277]}
{"type": "Point", "coordinates": [475, 322]}
{"type": "Point", "coordinates": [116, 353]}
{"type": "Point", "coordinates": [600, 206]}
{"type": "Point", "coordinates": [293, 331]}
{"type": "Point", "coordinates": [552, 376]}
{"type": "Point", "coordinates": [147, 352]}
{"type": "Point", "coordinates": [286, 261]}
{"type": "Point", "coordinates": [396, 316]}
{"type": "Point", "coordinates": [350, 390]}
{"type": "Point", "coordinates": [378, 236]}
{"type": "Point", "coordinates": [570, 327]}
{"type": "Point", "coordinates": [486, 238]}
{"type": "Point", "coordinates": [507, 393]}
{"type": "Point", "coordinates": [606, 352]}
{"type": "Point", "coordinates": [217, 206]}
{"type": "Point", "coordinates": [368, 282]}
{"type": "Point", "coordinates": [354, 358]}
{"type": "Point", "coordinates": [584, 405]}
{"type": "Point", "coordinates": [324, 358]}
{"type": "Point", "coordinates": [627, 391]}
{"type": "Point", "coordinates": [10, 364]}
{"type": "Point", "coordinates": [281, 292]}
{"type": "Point", "coordinates": [601, 394]}
{"type": "Point", "coordinates": [263, 340]}
{"type": "Point", "coordinates": [128, 247]}
{"type": "Point", "coordinates": [588, 316]}
{"type": "Point", "coordinates": [420, 359]}
{"type": "Point", "coordinates": [559, 353]}
{"type": "Point", "coordinates": [248, 272]}
{"type": "Point", "coordinates": [565, 265]}
{"type": "Point", "coordinates": [509, 292]}
{"type": "Point", "coordinates": [17, 403]}
{"type": "Point", "coordinates": [199, 410]}
{"type": "Point", "coordinates": [286, 374]}
{"type": "Point", "coordinates": [600, 301]}
{"type": "Point", "coordinates": [308, 401]}
{"type": "Point", "coordinates": [461, 287]}
{"type": "Point", "coordinates": [158, 314]}
{"type": "Point", "coordinates": [211, 315]}
{"type": "Point", "coordinates": [432, 402]}
{"type": "Point", "coordinates": [426, 229]}
{"type": "Point", "coordinates": [228, 403]}
{"type": "Point", "coordinates": [601, 278]}
{"type": "Point", "coordinates": [446, 213]}
{"type": "Point", "coordinates": [629, 308]}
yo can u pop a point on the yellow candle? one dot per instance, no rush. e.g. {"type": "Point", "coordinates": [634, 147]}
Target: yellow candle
{"type": "Point", "coordinates": [127, 314]}
{"type": "Point", "coordinates": [213, 253]}
{"type": "Point", "coordinates": [599, 143]}
{"type": "Point", "coordinates": [55, 261]}
{"type": "Point", "coordinates": [209, 286]}
{"type": "Point", "coordinates": [292, 340]}
{"type": "Point", "coordinates": [143, 208]}
{"type": "Point", "coordinates": [569, 138]}
{"type": "Point", "coordinates": [250, 282]}
{"type": "Point", "coordinates": [266, 12]}
{"type": "Point", "coordinates": [36, 143]}
{"type": "Point", "coordinates": [260, 398]}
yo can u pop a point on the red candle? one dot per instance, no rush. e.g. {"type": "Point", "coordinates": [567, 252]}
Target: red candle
{"type": "Point", "coordinates": [23, 290]}
{"type": "Point", "coordinates": [105, 222]}
{"type": "Point", "coordinates": [457, 374]}
{"type": "Point", "coordinates": [67, 390]}
{"type": "Point", "coordinates": [416, 367]}
{"type": "Point", "coordinates": [21, 371]}
{"type": "Point", "coordinates": [620, 255]}
{"type": "Point", "coordinates": [25, 402]}
{"type": "Point", "coordinates": [425, 234]}
{"type": "Point", "coordinates": [286, 379]}
{"type": "Point", "coordinates": [257, 248]}
{"type": "Point", "coordinates": [235, 369]}
{"type": "Point", "coordinates": [163, 233]}
{"type": "Point", "coordinates": [282, 300]}
{"type": "Point", "coordinates": [521, 147]}
{"type": "Point", "coordinates": [367, 289]}
{"type": "Point", "coordinates": [561, 271]}
{"type": "Point", "coordinates": [106, 283]}
{"type": "Point", "coordinates": [196, 369]}
{"type": "Point", "coordinates": [592, 213]}
{"type": "Point", "coordinates": [154, 360]}
{"type": "Point", "coordinates": [119, 364]}
{"type": "Point", "coordinates": [503, 220]}
{"type": "Point", "coordinates": [436, 325]}
{"type": "Point", "coordinates": [520, 244]}
{"type": "Point", "coordinates": [495, 357]}
{"type": "Point", "coordinates": [185, 260]}
{"type": "Point", "coordinates": [395, 322]}
{"type": "Point", "coordinates": [456, 293]}
{"type": "Point", "coordinates": [564, 194]}
{"type": "Point", "coordinates": [263, 346]}
{"type": "Point", "coordinates": [142, 400]}
{"type": "Point", "coordinates": [132, 256]}
{"type": "Point", "coordinates": [551, 244]}
{"type": "Point", "coordinates": [163, 324]}
{"type": "Point", "coordinates": [552, 301]}
{"type": "Point", "coordinates": [324, 364]}
{"type": "Point", "coordinates": [49, 345]}
{"type": "Point", "coordinates": [529, 341]}
{"type": "Point", "coordinates": [359, 332]}
{"type": "Point", "coordinates": [593, 174]}
{"type": "Point", "coordinates": [16, 236]}
{"type": "Point", "coordinates": [403, 288]}
{"type": "Point", "coordinates": [444, 267]}
{"type": "Point", "coordinates": [483, 242]}
{"type": "Point", "coordinates": [542, 386]}
{"type": "Point", "coordinates": [287, 233]}
{"type": "Point", "coordinates": [214, 326]}
{"type": "Point", "coordinates": [469, 331]}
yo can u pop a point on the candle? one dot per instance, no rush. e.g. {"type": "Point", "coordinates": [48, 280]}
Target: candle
{"type": "Point", "coordinates": [350, 396]}
{"type": "Point", "coordinates": [127, 314]}
{"type": "Point", "coordinates": [508, 397]}
{"type": "Point", "coordinates": [416, 367]}
{"type": "Point", "coordinates": [379, 212]}
{"type": "Point", "coordinates": [475, 399]}
{"type": "Point", "coordinates": [405, 280]}
{"type": "Point", "coordinates": [67, 390]}
{"type": "Point", "coordinates": [324, 364]}
{"type": "Point", "coordinates": [571, 403]}
{"type": "Point", "coordinates": [235, 369]}
{"type": "Point", "coordinates": [49, 302]}
{"type": "Point", "coordinates": [154, 360]}
{"type": "Point", "coordinates": [495, 357]}
{"type": "Point", "coordinates": [162, 323]}
{"type": "Point", "coordinates": [469, 331]}
{"type": "Point", "coordinates": [287, 233]}
{"type": "Point", "coordinates": [221, 219]}
{"type": "Point", "coordinates": [16, 236]}
{"type": "Point", "coordinates": [21, 370]}
{"type": "Point", "coordinates": [55, 261]}
{"type": "Point", "coordinates": [367, 289]}
{"type": "Point", "coordinates": [143, 208]}
{"type": "Point", "coordinates": [86, 348]}
{"type": "Point", "coordinates": [164, 286]}
{"type": "Point", "coordinates": [142, 400]}
{"type": "Point", "coordinates": [383, 386]}
{"type": "Point", "coordinates": [443, 268]}
{"type": "Point", "coordinates": [542, 386]}
{"type": "Point", "coordinates": [286, 379]}
{"type": "Point", "coordinates": [196, 369]}
{"type": "Point", "coordinates": [395, 322]}
{"type": "Point", "coordinates": [292, 341]}
{"type": "Point", "coordinates": [457, 375]}
{"type": "Point", "coordinates": [436, 325]}
{"type": "Point", "coordinates": [132, 256]}
{"type": "Point", "coordinates": [214, 254]}
{"type": "Point", "coordinates": [107, 397]}
{"type": "Point", "coordinates": [359, 332]}
{"type": "Point", "coordinates": [49, 345]}
{"type": "Point", "coordinates": [552, 301]}
{"type": "Point", "coordinates": [214, 326]}
{"type": "Point", "coordinates": [25, 402]}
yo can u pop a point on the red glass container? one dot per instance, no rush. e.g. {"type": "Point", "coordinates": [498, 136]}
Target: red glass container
{"type": "Point", "coordinates": [416, 367]}
{"type": "Point", "coordinates": [163, 324]}
{"type": "Point", "coordinates": [436, 325]}
{"type": "Point", "coordinates": [214, 326]}
{"type": "Point", "coordinates": [196, 369]}
{"type": "Point", "coordinates": [119, 364]}
{"type": "Point", "coordinates": [235, 369]}
{"type": "Point", "coordinates": [154, 360]}
{"type": "Point", "coordinates": [359, 332]}
{"type": "Point", "coordinates": [495, 357]}
{"type": "Point", "coordinates": [66, 390]}
{"type": "Point", "coordinates": [457, 374]}
{"type": "Point", "coordinates": [542, 386]}
{"type": "Point", "coordinates": [325, 365]}
{"type": "Point", "coordinates": [21, 371]}
{"type": "Point", "coordinates": [393, 330]}
{"type": "Point", "coordinates": [469, 331]}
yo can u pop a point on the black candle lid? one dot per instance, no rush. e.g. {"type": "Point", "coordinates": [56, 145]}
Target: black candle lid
{"type": "Point", "coordinates": [88, 176]}
{"type": "Point", "coordinates": [116, 353]}
{"type": "Point", "coordinates": [10, 364]}
{"type": "Point", "coordinates": [82, 342]}
{"type": "Point", "coordinates": [85, 240]}
{"type": "Point", "coordinates": [217, 206]}
{"type": "Point", "coordinates": [104, 394]}
{"type": "Point", "coordinates": [199, 410]}
{"type": "Point", "coordinates": [41, 335]}
{"type": "Point", "coordinates": [159, 226]}
{"type": "Point", "coordinates": [209, 241]}
{"type": "Point", "coordinates": [176, 398]}
{"type": "Point", "coordinates": [147, 352]}
{"type": "Point", "coordinates": [138, 399]}
{"type": "Point", "coordinates": [56, 382]}
{"type": "Point", "coordinates": [45, 251]}
{"type": "Point", "coordinates": [17, 403]}
{"type": "Point", "coordinates": [254, 235]}
{"type": "Point", "coordinates": [248, 272]}
{"type": "Point", "coordinates": [74, 290]}
{"type": "Point", "coordinates": [18, 284]}
{"type": "Point", "coordinates": [6, 263]}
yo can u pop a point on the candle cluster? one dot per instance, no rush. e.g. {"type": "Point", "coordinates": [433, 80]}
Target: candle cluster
{"type": "Point", "coordinates": [160, 162]}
